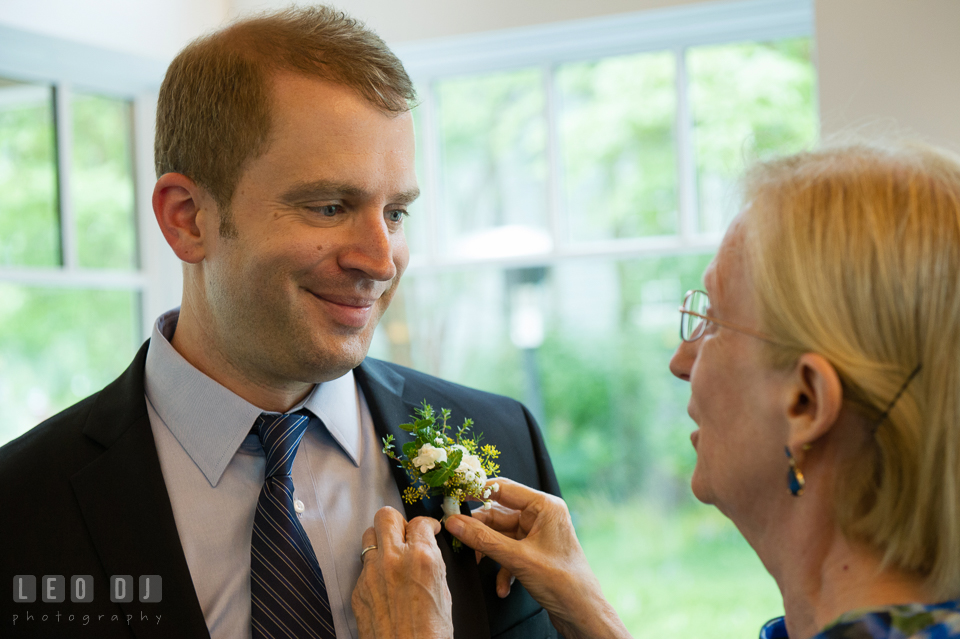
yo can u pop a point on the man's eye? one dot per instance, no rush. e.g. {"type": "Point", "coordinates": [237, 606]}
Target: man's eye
{"type": "Point", "coordinates": [397, 215]}
{"type": "Point", "coordinates": [329, 210]}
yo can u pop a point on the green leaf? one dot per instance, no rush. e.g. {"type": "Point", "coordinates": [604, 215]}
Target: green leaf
{"type": "Point", "coordinates": [454, 459]}
{"type": "Point", "coordinates": [408, 427]}
{"type": "Point", "coordinates": [437, 477]}
{"type": "Point", "coordinates": [410, 449]}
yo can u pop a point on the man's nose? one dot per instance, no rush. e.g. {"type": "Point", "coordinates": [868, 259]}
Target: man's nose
{"type": "Point", "coordinates": [683, 358]}
{"type": "Point", "coordinates": [370, 247]}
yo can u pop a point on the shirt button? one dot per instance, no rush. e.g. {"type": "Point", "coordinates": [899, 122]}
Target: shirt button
{"type": "Point", "coordinates": [298, 506]}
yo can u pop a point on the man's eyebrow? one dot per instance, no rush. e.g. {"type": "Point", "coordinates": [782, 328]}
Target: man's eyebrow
{"type": "Point", "coordinates": [327, 190]}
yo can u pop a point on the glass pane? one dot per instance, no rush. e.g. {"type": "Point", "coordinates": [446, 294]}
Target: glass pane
{"type": "Point", "coordinates": [749, 101]}
{"type": "Point", "coordinates": [102, 182]}
{"type": "Point", "coordinates": [619, 162]}
{"type": "Point", "coordinates": [58, 346]}
{"type": "Point", "coordinates": [29, 218]}
{"type": "Point", "coordinates": [586, 346]}
{"type": "Point", "coordinates": [415, 225]}
{"type": "Point", "coordinates": [493, 136]}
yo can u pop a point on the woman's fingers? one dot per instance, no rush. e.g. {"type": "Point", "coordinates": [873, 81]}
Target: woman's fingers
{"type": "Point", "coordinates": [402, 587]}
{"type": "Point", "coordinates": [390, 527]}
{"type": "Point", "coordinates": [368, 539]}
{"type": "Point", "coordinates": [505, 580]}
{"type": "Point", "coordinates": [479, 537]}
{"type": "Point", "coordinates": [513, 495]}
{"type": "Point", "coordinates": [423, 529]}
{"type": "Point", "coordinates": [504, 520]}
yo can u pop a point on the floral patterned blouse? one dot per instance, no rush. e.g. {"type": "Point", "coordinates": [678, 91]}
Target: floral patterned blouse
{"type": "Point", "coordinates": [910, 621]}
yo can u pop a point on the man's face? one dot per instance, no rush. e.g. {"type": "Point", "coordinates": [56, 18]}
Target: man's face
{"type": "Point", "coordinates": [294, 295]}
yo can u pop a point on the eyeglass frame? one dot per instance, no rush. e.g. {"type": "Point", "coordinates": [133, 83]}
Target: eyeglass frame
{"type": "Point", "coordinates": [733, 327]}
{"type": "Point", "coordinates": [766, 338]}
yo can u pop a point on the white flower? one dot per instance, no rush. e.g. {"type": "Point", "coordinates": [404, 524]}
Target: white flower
{"type": "Point", "coordinates": [428, 456]}
{"type": "Point", "coordinates": [470, 464]}
{"type": "Point", "coordinates": [438, 441]}
{"type": "Point", "coordinates": [472, 470]}
{"type": "Point", "coordinates": [486, 494]}
{"type": "Point", "coordinates": [496, 488]}
{"type": "Point", "coordinates": [487, 505]}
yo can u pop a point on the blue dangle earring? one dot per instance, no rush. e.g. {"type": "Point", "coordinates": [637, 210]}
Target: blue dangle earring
{"type": "Point", "coordinates": [795, 479]}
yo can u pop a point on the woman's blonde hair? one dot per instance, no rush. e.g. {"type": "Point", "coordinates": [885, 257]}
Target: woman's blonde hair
{"type": "Point", "coordinates": [855, 254]}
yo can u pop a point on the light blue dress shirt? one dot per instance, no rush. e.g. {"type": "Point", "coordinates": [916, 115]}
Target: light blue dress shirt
{"type": "Point", "coordinates": [213, 469]}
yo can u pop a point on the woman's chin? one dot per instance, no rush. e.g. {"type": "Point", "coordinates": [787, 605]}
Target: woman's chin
{"type": "Point", "coordinates": [700, 488]}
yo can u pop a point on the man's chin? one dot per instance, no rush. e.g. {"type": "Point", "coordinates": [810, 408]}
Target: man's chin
{"type": "Point", "coordinates": [333, 361]}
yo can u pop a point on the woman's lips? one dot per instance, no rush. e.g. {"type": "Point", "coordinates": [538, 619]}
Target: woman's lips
{"type": "Point", "coordinates": [694, 436]}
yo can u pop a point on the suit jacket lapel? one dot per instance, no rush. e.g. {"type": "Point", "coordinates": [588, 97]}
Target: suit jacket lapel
{"type": "Point", "coordinates": [383, 389]}
{"type": "Point", "coordinates": [127, 509]}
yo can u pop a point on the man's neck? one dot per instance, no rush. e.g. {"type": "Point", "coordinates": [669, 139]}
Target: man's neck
{"type": "Point", "coordinates": [203, 351]}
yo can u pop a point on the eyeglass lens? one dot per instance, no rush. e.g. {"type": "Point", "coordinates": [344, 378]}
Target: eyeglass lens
{"type": "Point", "coordinates": [691, 326]}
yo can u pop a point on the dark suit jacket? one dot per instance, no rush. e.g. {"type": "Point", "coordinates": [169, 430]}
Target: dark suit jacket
{"type": "Point", "coordinates": [83, 494]}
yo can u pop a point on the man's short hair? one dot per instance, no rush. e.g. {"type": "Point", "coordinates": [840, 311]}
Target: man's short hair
{"type": "Point", "coordinates": [213, 114]}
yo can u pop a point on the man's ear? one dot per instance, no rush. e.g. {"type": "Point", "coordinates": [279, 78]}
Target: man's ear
{"type": "Point", "coordinates": [814, 400]}
{"type": "Point", "coordinates": [183, 211]}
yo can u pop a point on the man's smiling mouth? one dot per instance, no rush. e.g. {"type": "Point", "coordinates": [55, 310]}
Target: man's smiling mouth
{"type": "Point", "coordinates": [347, 310]}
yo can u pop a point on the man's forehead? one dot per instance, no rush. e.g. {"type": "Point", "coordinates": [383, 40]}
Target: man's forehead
{"type": "Point", "coordinates": [286, 85]}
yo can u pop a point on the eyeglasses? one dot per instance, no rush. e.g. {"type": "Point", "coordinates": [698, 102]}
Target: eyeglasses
{"type": "Point", "coordinates": [694, 319]}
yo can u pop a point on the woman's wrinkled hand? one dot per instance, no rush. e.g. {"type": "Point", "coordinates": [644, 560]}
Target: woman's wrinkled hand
{"type": "Point", "coordinates": [402, 592]}
{"type": "Point", "coordinates": [530, 534]}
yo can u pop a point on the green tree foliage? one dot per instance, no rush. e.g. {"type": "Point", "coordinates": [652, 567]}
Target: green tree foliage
{"type": "Point", "coordinates": [29, 231]}
{"type": "Point", "coordinates": [102, 183]}
{"type": "Point", "coordinates": [58, 345]}
{"type": "Point", "coordinates": [613, 416]}
{"type": "Point", "coordinates": [493, 148]}
{"type": "Point", "coordinates": [617, 140]}
{"type": "Point", "coordinates": [749, 101]}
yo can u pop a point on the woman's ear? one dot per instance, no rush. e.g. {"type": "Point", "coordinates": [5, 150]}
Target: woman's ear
{"type": "Point", "coordinates": [182, 209]}
{"type": "Point", "coordinates": [814, 400]}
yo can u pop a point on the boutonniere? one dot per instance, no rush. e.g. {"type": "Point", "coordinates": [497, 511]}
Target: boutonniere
{"type": "Point", "coordinates": [441, 461]}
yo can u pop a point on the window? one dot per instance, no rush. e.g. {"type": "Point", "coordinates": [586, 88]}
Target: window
{"type": "Point", "coordinates": [76, 275]}
{"type": "Point", "coordinates": [577, 179]}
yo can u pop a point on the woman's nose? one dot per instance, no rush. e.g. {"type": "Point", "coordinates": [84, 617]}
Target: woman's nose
{"type": "Point", "coordinates": [683, 358]}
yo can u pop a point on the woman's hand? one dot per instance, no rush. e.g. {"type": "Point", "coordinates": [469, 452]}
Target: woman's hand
{"type": "Point", "coordinates": [402, 591]}
{"type": "Point", "coordinates": [530, 534]}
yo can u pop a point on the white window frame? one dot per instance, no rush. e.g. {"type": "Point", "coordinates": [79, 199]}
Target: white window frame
{"type": "Point", "coordinates": [65, 65]}
{"type": "Point", "coordinates": [546, 46]}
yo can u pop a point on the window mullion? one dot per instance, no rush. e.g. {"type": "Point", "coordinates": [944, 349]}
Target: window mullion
{"type": "Point", "coordinates": [686, 154]}
{"type": "Point", "coordinates": [430, 128]}
{"type": "Point", "coordinates": [554, 165]}
{"type": "Point", "coordinates": [64, 135]}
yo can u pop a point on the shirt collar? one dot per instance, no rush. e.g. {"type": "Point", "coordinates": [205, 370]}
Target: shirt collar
{"type": "Point", "coordinates": [211, 421]}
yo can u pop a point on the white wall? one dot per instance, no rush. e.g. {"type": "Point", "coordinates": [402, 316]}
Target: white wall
{"type": "Point", "coordinates": [890, 63]}
{"type": "Point", "coordinates": [408, 20]}
{"type": "Point", "coordinates": [149, 28]}
{"type": "Point", "coordinates": [894, 61]}
{"type": "Point", "coordinates": [885, 63]}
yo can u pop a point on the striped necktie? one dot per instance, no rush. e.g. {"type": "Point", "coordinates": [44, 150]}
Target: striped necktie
{"type": "Point", "coordinates": [288, 596]}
